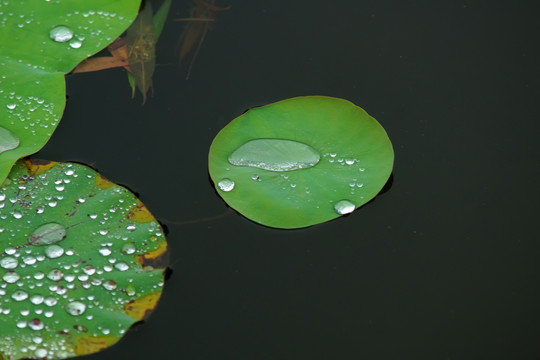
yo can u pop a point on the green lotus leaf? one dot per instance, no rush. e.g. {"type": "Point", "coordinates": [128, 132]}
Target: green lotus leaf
{"type": "Point", "coordinates": [301, 161]}
{"type": "Point", "coordinates": [81, 260]}
{"type": "Point", "coordinates": [41, 41]}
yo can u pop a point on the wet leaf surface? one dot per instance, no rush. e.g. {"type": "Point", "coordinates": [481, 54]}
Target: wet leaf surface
{"type": "Point", "coordinates": [42, 41]}
{"type": "Point", "coordinates": [81, 260]}
{"type": "Point", "coordinates": [301, 161]}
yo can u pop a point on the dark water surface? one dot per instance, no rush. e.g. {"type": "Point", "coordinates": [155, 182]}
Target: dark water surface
{"type": "Point", "coordinates": [445, 265]}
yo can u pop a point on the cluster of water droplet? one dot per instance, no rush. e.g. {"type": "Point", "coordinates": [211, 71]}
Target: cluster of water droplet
{"type": "Point", "coordinates": [63, 267]}
{"type": "Point", "coordinates": [248, 156]}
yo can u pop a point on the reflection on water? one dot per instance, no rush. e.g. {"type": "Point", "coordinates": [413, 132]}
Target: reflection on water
{"type": "Point", "coordinates": [198, 23]}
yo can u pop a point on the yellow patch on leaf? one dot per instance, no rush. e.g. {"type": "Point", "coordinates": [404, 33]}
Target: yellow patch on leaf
{"type": "Point", "coordinates": [37, 167]}
{"type": "Point", "coordinates": [103, 183]}
{"type": "Point", "coordinates": [90, 344]}
{"type": "Point", "coordinates": [137, 308]}
{"type": "Point", "coordinates": [154, 254]}
{"type": "Point", "coordinates": [140, 214]}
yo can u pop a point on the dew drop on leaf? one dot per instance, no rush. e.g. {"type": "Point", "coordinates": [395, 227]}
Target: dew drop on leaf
{"type": "Point", "coordinates": [226, 185]}
{"type": "Point", "coordinates": [35, 324]}
{"type": "Point", "coordinates": [9, 262]}
{"type": "Point", "coordinates": [47, 234]}
{"type": "Point", "coordinates": [61, 33]}
{"type": "Point", "coordinates": [11, 277]}
{"type": "Point", "coordinates": [275, 155]}
{"type": "Point", "coordinates": [19, 295]}
{"type": "Point", "coordinates": [8, 140]}
{"type": "Point", "coordinates": [54, 251]}
{"type": "Point", "coordinates": [343, 207]}
{"type": "Point", "coordinates": [75, 308]}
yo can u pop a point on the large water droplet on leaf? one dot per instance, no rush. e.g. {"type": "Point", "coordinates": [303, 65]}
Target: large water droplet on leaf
{"type": "Point", "coordinates": [9, 262]}
{"type": "Point", "coordinates": [61, 33]}
{"type": "Point", "coordinates": [226, 185]}
{"type": "Point", "coordinates": [47, 234]}
{"type": "Point", "coordinates": [54, 251]}
{"type": "Point", "coordinates": [8, 140]}
{"type": "Point", "coordinates": [19, 295]}
{"type": "Point", "coordinates": [343, 207]}
{"type": "Point", "coordinates": [75, 308]}
{"type": "Point", "coordinates": [275, 155]}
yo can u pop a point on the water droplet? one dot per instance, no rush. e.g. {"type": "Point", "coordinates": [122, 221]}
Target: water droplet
{"type": "Point", "coordinates": [61, 33]}
{"type": "Point", "coordinates": [128, 249]}
{"type": "Point", "coordinates": [343, 207]}
{"type": "Point", "coordinates": [8, 140]}
{"type": "Point", "coordinates": [226, 185]}
{"type": "Point", "coordinates": [11, 277]}
{"type": "Point", "coordinates": [29, 260]}
{"type": "Point", "coordinates": [75, 44]}
{"type": "Point", "coordinates": [275, 155]}
{"type": "Point", "coordinates": [41, 353]}
{"type": "Point", "coordinates": [54, 251]}
{"type": "Point", "coordinates": [36, 299]}
{"type": "Point", "coordinates": [50, 301]}
{"type": "Point", "coordinates": [35, 324]}
{"type": "Point", "coordinates": [19, 295]}
{"type": "Point", "coordinates": [109, 285]}
{"type": "Point", "coordinates": [76, 308]}
{"type": "Point", "coordinates": [122, 266]}
{"type": "Point", "coordinates": [9, 263]}
{"type": "Point", "coordinates": [55, 275]}
{"type": "Point", "coordinates": [105, 251]}
{"type": "Point", "coordinates": [89, 270]}
{"type": "Point", "coordinates": [21, 324]}
{"type": "Point", "coordinates": [47, 234]}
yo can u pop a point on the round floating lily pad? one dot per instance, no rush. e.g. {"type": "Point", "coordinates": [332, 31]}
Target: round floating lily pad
{"type": "Point", "coordinates": [81, 260]}
{"type": "Point", "coordinates": [301, 161]}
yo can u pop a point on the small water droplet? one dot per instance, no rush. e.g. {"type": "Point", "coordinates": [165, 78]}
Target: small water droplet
{"type": "Point", "coordinates": [50, 301]}
{"type": "Point", "coordinates": [11, 277]}
{"type": "Point", "coordinates": [21, 324]}
{"type": "Point", "coordinates": [19, 295]}
{"type": "Point", "coordinates": [35, 324]}
{"type": "Point", "coordinates": [76, 308]}
{"type": "Point", "coordinates": [9, 262]}
{"type": "Point", "coordinates": [89, 270]}
{"type": "Point", "coordinates": [109, 285]}
{"type": "Point", "coordinates": [122, 266]}
{"type": "Point", "coordinates": [47, 234]}
{"type": "Point", "coordinates": [41, 353]}
{"type": "Point", "coordinates": [61, 33]}
{"type": "Point", "coordinates": [75, 44]}
{"type": "Point", "coordinates": [343, 207]}
{"type": "Point", "coordinates": [55, 275]}
{"type": "Point", "coordinates": [54, 251]}
{"type": "Point", "coordinates": [105, 251]}
{"type": "Point", "coordinates": [226, 185]}
{"type": "Point", "coordinates": [36, 299]}
{"type": "Point", "coordinates": [128, 249]}
{"type": "Point", "coordinates": [8, 140]}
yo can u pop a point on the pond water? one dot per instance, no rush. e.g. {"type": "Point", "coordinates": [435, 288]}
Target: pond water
{"type": "Point", "coordinates": [444, 265]}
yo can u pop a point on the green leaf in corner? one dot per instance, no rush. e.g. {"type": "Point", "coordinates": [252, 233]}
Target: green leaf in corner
{"type": "Point", "coordinates": [41, 42]}
{"type": "Point", "coordinates": [81, 260]}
